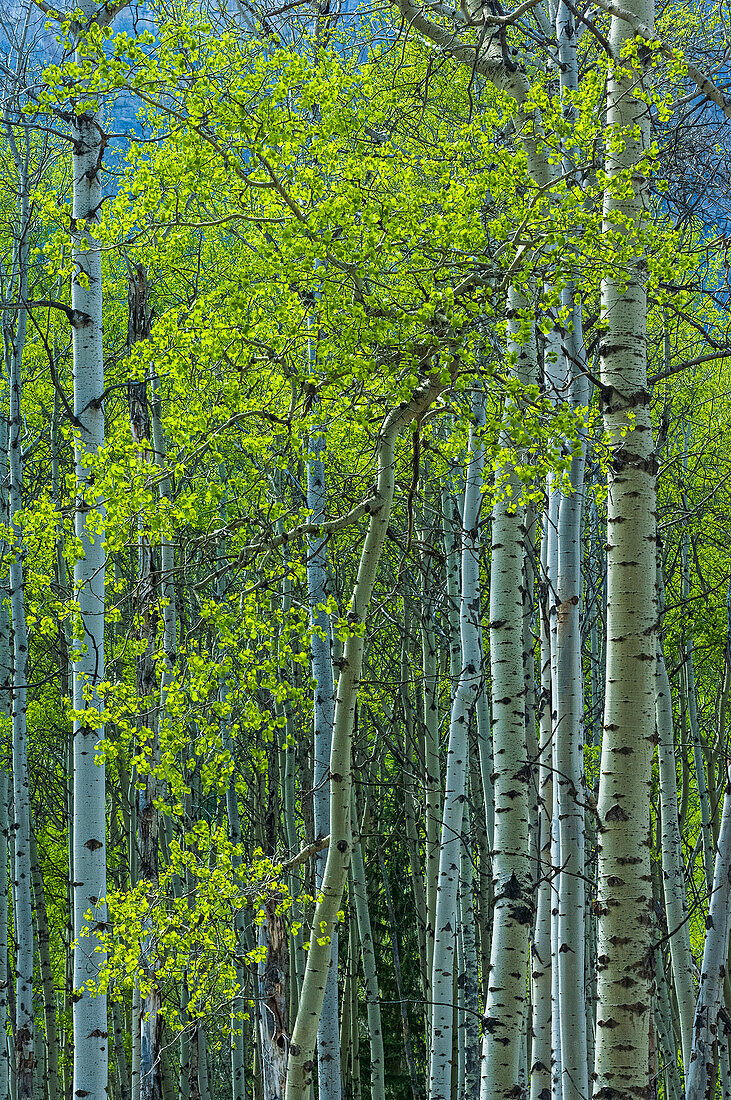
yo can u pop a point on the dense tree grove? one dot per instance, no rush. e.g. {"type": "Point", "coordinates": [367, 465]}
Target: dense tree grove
{"type": "Point", "coordinates": [365, 571]}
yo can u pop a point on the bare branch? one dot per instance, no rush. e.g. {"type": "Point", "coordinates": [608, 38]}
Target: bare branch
{"type": "Point", "coordinates": [704, 83]}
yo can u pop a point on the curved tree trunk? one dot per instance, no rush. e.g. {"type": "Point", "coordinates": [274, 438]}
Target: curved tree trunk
{"type": "Point", "coordinates": [300, 1063]}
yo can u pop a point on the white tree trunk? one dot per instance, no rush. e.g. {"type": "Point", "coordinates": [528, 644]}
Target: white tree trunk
{"type": "Point", "coordinates": [328, 1032]}
{"type": "Point", "coordinates": [568, 762]}
{"type": "Point", "coordinates": [300, 1063]}
{"type": "Point", "coordinates": [6, 711]}
{"type": "Point", "coordinates": [702, 1071]}
{"type": "Point", "coordinates": [624, 901]}
{"type": "Point", "coordinates": [671, 851]}
{"type": "Point", "coordinates": [512, 873]}
{"type": "Point", "coordinates": [468, 688]}
{"type": "Point", "coordinates": [89, 858]}
{"type": "Point", "coordinates": [541, 964]}
{"type": "Point", "coordinates": [21, 820]}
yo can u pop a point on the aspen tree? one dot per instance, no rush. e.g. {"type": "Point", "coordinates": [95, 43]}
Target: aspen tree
{"type": "Point", "coordinates": [541, 963]}
{"type": "Point", "coordinates": [688, 687]}
{"type": "Point", "coordinates": [468, 687]}
{"type": "Point", "coordinates": [569, 680]}
{"type": "Point", "coordinates": [624, 899]}
{"type": "Point", "coordinates": [328, 1034]}
{"type": "Point", "coordinates": [512, 874]}
{"type": "Point", "coordinates": [6, 711]}
{"type": "Point", "coordinates": [702, 1071]}
{"type": "Point", "coordinates": [23, 1030]}
{"type": "Point", "coordinates": [671, 852]}
{"type": "Point", "coordinates": [300, 1064]}
{"type": "Point", "coordinates": [91, 1043]}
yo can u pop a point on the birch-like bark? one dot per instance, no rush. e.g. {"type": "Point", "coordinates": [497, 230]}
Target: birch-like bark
{"type": "Point", "coordinates": [21, 817]}
{"type": "Point", "coordinates": [569, 703]}
{"type": "Point", "coordinates": [624, 895]}
{"type": "Point", "coordinates": [512, 873]}
{"type": "Point", "coordinates": [673, 871]}
{"type": "Point", "coordinates": [702, 1071]}
{"type": "Point", "coordinates": [468, 688]}
{"type": "Point", "coordinates": [6, 709]}
{"type": "Point", "coordinates": [541, 963]}
{"type": "Point", "coordinates": [91, 1043]}
{"type": "Point", "coordinates": [688, 684]}
{"type": "Point", "coordinates": [568, 762]}
{"type": "Point", "coordinates": [328, 1032]}
{"type": "Point", "coordinates": [555, 372]}
{"type": "Point", "coordinates": [300, 1064]}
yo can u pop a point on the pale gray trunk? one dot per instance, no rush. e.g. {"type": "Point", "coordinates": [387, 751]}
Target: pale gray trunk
{"type": "Point", "coordinates": [624, 896]}
{"type": "Point", "coordinates": [702, 1071]}
{"type": "Point", "coordinates": [328, 1032]}
{"type": "Point", "coordinates": [21, 819]}
{"type": "Point", "coordinates": [569, 705]}
{"type": "Point", "coordinates": [541, 962]}
{"type": "Point", "coordinates": [468, 688]}
{"type": "Point", "coordinates": [568, 764]}
{"type": "Point", "coordinates": [512, 873]}
{"type": "Point", "coordinates": [6, 708]}
{"type": "Point", "coordinates": [299, 1072]}
{"type": "Point", "coordinates": [91, 1042]}
{"type": "Point", "coordinates": [673, 871]}
{"type": "Point", "coordinates": [4, 825]}
{"type": "Point", "coordinates": [688, 684]}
